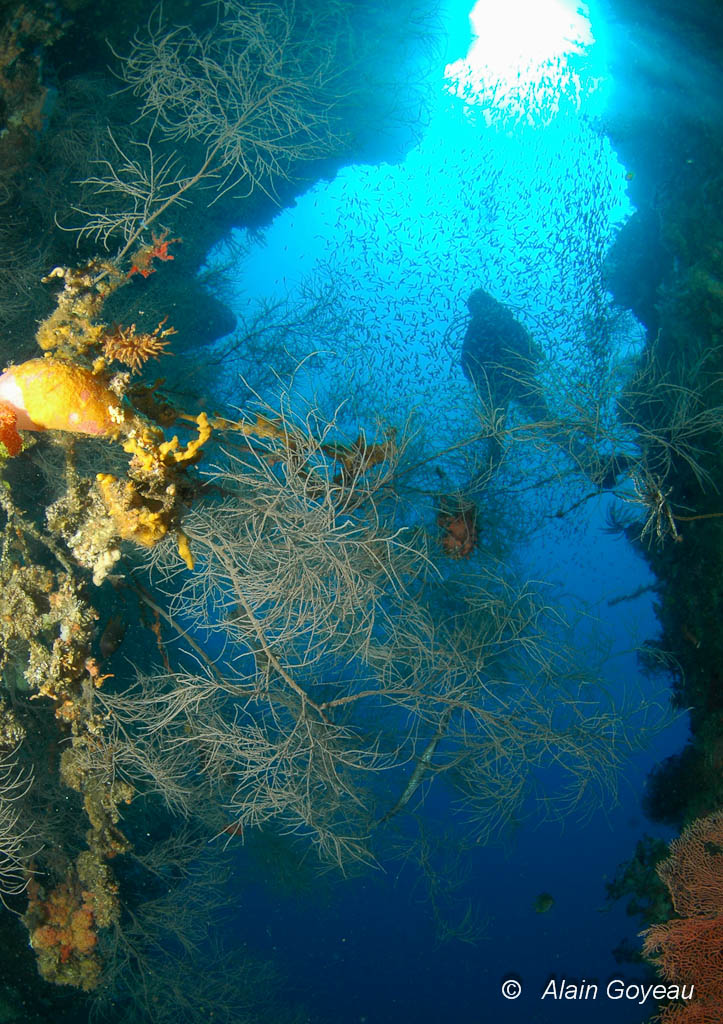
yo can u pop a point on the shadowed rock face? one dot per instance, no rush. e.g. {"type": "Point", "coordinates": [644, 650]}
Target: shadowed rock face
{"type": "Point", "coordinates": [497, 350]}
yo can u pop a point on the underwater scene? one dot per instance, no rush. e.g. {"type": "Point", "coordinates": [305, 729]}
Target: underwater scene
{"type": "Point", "coordinates": [361, 511]}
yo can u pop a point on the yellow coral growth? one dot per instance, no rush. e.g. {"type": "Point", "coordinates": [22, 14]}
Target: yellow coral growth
{"type": "Point", "coordinates": [133, 519]}
{"type": "Point", "coordinates": [150, 457]}
{"type": "Point", "coordinates": [146, 506]}
{"type": "Point", "coordinates": [70, 330]}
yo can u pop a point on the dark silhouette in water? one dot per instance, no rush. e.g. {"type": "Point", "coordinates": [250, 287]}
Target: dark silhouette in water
{"type": "Point", "coordinates": [499, 355]}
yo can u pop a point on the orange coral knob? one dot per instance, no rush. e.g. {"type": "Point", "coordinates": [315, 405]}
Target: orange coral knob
{"type": "Point", "coordinates": [47, 394]}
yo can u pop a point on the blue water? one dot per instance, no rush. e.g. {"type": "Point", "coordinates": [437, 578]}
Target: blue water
{"type": "Point", "coordinates": [368, 950]}
{"type": "Point", "coordinates": [525, 207]}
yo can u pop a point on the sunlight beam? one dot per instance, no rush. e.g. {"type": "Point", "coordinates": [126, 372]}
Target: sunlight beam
{"type": "Point", "coordinates": [523, 58]}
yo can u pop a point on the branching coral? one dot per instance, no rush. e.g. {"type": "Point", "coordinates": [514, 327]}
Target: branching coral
{"type": "Point", "coordinates": [255, 95]}
{"type": "Point", "coordinates": [46, 629]}
{"type": "Point", "coordinates": [62, 392]}
{"type": "Point", "coordinates": [46, 620]}
{"type": "Point", "coordinates": [687, 949]}
{"type": "Point", "coordinates": [339, 655]}
{"type": "Point", "coordinates": [17, 844]}
{"type": "Point", "coordinates": [47, 626]}
{"type": "Point", "coordinates": [134, 348]}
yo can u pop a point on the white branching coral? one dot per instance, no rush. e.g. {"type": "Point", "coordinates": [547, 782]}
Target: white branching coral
{"type": "Point", "coordinates": [17, 844]}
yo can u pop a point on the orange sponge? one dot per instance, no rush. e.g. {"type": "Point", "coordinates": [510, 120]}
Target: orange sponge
{"type": "Point", "coordinates": [48, 394]}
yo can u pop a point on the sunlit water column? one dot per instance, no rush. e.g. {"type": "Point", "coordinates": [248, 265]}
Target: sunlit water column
{"type": "Point", "coordinates": [510, 189]}
{"type": "Point", "coordinates": [533, 86]}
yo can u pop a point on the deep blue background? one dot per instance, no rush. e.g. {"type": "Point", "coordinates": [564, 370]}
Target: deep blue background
{"type": "Point", "coordinates": [503, 205]}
